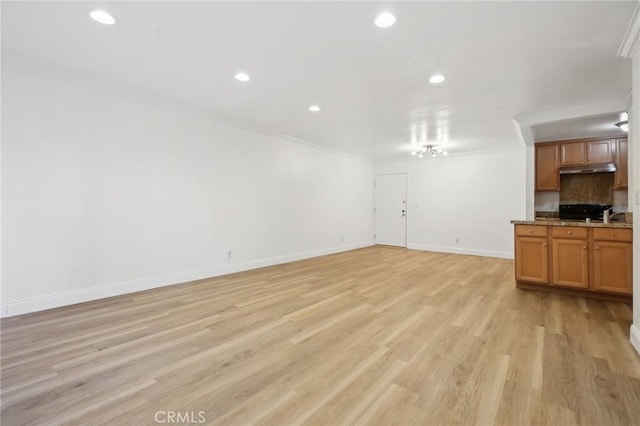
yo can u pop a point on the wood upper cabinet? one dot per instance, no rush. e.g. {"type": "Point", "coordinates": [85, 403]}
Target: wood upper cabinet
{"type": "Point", "coordinates": [579, 153]}
{"type": "Point", "coordinates": [599, 152]}
{"type": "Point", "coordinates": [550, 156]}
{"type": "Point", "coordinates": [570, 257]}
{"type": "Point", "coordinates": [621, 176]}
{"type": "Point", "coordinates": [573, 154]}
{"type": "Point", "coordinates": [532, 254]}
{"type": "Point", "coordinates": [612, 260]}
{"type": "Point", "coordinates": [547, 162]}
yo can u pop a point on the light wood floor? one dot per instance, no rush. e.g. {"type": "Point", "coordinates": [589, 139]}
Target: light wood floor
{"type": "Point", "coordinates": [374, 336]}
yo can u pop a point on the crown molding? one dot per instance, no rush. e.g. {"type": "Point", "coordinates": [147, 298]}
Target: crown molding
{"type": "Point", "coordinates": [631, 39]}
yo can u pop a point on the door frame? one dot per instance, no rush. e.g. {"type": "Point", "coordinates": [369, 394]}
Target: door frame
{"type": "Point", "coordinates": [406, 205]}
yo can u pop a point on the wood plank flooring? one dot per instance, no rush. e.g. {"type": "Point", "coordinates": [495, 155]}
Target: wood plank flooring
{"type": "Point", "coordinates": [377, 336]}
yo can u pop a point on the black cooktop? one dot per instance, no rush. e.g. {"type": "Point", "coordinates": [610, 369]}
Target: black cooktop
{"type": "Point", "coordinates": [583, 211]}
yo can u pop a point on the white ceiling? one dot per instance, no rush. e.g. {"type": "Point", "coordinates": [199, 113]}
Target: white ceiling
{"type": "Point", "coordinates": [501, 59]}
{"type": "Point", "coordinates": [593, 126]}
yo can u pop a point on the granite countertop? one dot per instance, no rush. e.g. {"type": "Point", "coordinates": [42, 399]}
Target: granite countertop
{"type": "Point", "coordinates": [558, 222]}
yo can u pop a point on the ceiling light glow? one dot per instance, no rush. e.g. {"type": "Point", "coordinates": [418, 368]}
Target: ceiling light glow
{"type": "Point", "coordinates": [437, 79]}
{"type": "Point", "coordinates": [314, 108]}
{"type": "Point", "coordinates": [385, 20]}
{"type": "Point", "coordinates": [241, 76]}
{"type": "Point", "coordinates": [624, 122]}
{"type": "Point", "coordinates": [102, 17]}
{"type": "Point", "coordinates": [623, 125]}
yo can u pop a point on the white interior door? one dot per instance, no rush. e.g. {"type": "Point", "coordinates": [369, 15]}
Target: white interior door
{"type": "Point", "coordinates": [390, 198]}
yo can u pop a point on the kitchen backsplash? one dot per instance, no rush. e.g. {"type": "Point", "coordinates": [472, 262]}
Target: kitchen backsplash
{"type": "Point", "coordinates": [548, 201]}
{"type": "Point", "coordinates": [586, 188]}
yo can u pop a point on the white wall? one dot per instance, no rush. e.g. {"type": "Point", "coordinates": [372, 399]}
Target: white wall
{"type": "Point", "coordinates": [106, 192]}
{"type": "Point", "coordinates": [634, 192]}
{"type": "Point", "coordinates": [530, 182]}
{"type": "Point", "coordinates": [472, 198]}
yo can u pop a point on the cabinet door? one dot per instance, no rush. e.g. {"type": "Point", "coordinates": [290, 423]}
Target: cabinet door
{"type": "Point", "coordinates": [612, 266]}
{"type": "Point", "coordinates": [572, 154]}
{"type": "Point", "coordinates": [547, 178]}
{"type": "Point", "coordinates": [622, 174]}
{"type": "Point", "coordinates": [532, 260]}
{"type": "Point", "coordinates": [570, 262]}
{"type": "Point", "coordinates": [599, 152]}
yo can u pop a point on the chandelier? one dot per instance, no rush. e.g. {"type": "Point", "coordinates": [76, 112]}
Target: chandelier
{"type": "Point", "coordinates": [428, 151]}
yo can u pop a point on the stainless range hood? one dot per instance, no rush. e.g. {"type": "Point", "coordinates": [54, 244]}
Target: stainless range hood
{"type": "Point", "coordinates": [591, 168]}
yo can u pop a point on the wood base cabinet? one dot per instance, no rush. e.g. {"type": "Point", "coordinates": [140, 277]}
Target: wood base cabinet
{"type": "Point", "coordinates": [532, 260]}
{"type": "Point", "coordinates": [588, 261]}
{"type": "Point", "coordinates": [613, 260]}
{"type": "Point", "coordinates": [570, 263]}
{"type": "Point", "coordinates": [532, 254]}
{"type": "Point", "coordinates": [570, 256]}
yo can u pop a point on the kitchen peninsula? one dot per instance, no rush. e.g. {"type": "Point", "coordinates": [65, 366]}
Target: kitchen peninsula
{"type": "Point", "coordinates": [588, 259]}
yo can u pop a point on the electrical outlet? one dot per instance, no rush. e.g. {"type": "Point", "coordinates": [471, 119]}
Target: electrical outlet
{"type": "Point", "coordinates": [457, 240]}
{"type": "Point", "coordinates": [229, 254]}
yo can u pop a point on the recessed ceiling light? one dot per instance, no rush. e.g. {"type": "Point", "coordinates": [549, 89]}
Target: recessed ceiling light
{"type": "Point", "coordinates": [102, 17]}
{"type": "Point", "coordinates": [314, 108]}
{"type": "Point", "coordinates": [437, 79]}
{"type": "Point", "coordinates": [242, 76]}
{"type": "Point", "coordinates": [385, 20]}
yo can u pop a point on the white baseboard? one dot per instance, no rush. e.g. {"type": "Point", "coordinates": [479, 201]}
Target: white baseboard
{"type": "Point", "coordinates": [36, 304]}
{"type": "Point", "coordinates": [635, 337]}
{"type": "Point", "coordinates": [460, 250]}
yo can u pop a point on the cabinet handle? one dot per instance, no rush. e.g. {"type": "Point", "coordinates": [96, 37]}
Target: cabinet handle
{"type": "Point", "coordinates": [584, 247]}
{"type": "Point", "coordinates": [597, 248]}
{"type": "Point", "coordinates": [544, 244]}
{"type": "Point", "coordinates": [612, 234]}
{"type": "Point", "coordinates": [568, 232]}
{"type": "Point", "coordinates": [530, 231]}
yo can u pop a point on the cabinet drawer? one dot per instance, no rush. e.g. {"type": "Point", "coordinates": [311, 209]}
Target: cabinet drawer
{"type": "Point", "coordinates": [532, 230]}
{"type": "Point", "coordinates": [569, 232]}
{"type": "Point", "coordinates": [612, 234]}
